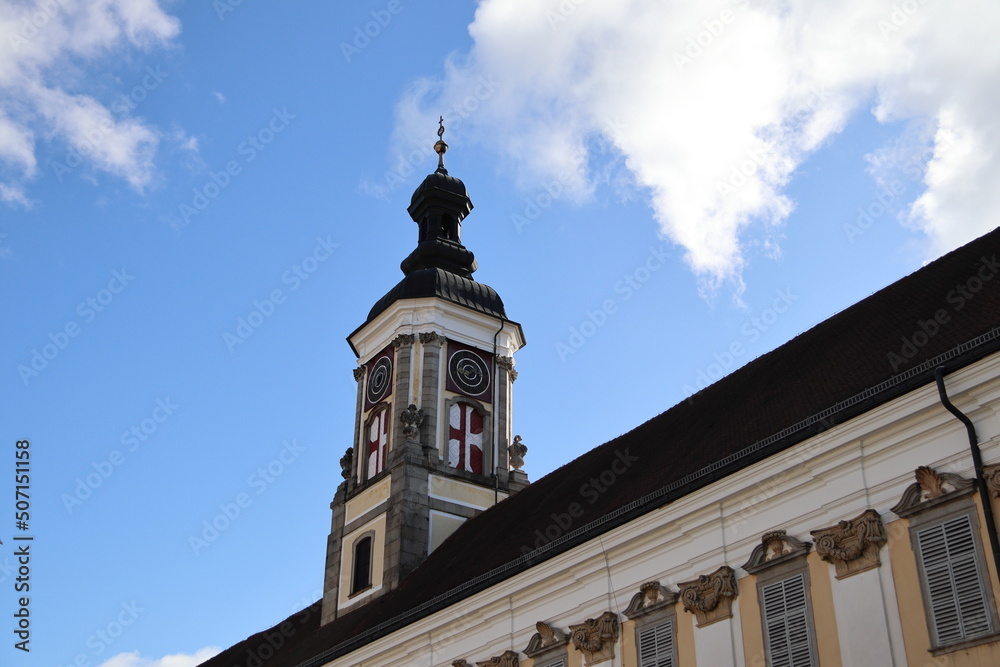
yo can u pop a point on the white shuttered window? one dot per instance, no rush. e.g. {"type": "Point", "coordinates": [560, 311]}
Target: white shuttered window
{"type": "Point", "coordinates": [786, 622]}
{"type": "Point", "coordinates": [954, 581]}
{"type": "Point", "coordinates": [656, 645]}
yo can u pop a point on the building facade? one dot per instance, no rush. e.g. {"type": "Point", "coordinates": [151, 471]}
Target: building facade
{"type": "Point", "coordinates": [830, 503]}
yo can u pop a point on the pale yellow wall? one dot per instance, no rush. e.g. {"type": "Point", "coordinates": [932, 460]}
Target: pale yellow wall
{"type": "Point", "coordinates": [630, 652]}
{"type": "Point", "coordinates": [685, 637]}
{"type": "Point", "coordinates": [443, 525]}
{"type": "Point", "coordinates": [367, 499]}
{"type": "Point", "coordinates": [462, 493]}
{"type": "Point", "coordinates": [753, 635]}
{"type": "Point", "coordinates": [824, 617]}
{"type": "Point", "coordinates": [347, 557]}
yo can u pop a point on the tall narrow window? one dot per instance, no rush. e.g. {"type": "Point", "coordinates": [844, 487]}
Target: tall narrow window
{"type": "Point", "coordinates": [465, 439]}
{"type": "Point", "coordinates": [786, 623]}
{"type": "Point", "coordinates": [361, 576]}
{"type": "Point", "coordinates": [953, 581]}
{"type": "Point", "coordinates": [656, 645]}
{"type": "Point", "coordinates": [378, 442]}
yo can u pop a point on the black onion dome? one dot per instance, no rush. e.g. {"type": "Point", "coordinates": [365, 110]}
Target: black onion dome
{"type": "Point", "coordinates": [445, 285]}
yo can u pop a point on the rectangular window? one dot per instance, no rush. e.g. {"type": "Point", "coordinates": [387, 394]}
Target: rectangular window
{"type": "Point", "coordinates": [656, 645]}
{"type": "Point", "coordinates": [557, 663]}
{"type": "Point", "coordinates": [786, 623]}
{"type": "Point", "coordinates": [953, 581]}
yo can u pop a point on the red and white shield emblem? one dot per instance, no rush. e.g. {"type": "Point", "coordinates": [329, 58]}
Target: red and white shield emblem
{"type": "Point", "coordinates": [378, 443]}
{"type": "Point", "coordinates": [465, 443]}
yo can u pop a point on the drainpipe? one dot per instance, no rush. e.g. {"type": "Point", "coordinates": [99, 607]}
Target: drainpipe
{"type": "Point", "coordinates": [977, 463]}
{"type": "Point", "coordinates": [496, 415]}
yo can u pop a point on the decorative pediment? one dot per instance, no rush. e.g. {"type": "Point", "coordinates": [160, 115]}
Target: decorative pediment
{"type": "Point", "coordinates": [507, 659]}
{"type": "Point", "coordinates": [852, 546]}
{"type": "Point", "coordinates": [710, 596]}
{"type": "Point", "coordinates": [931, 488]}
{"type": "Point", "coordinates": [992, 476]}
{"type": "Point", "coordinates": [651, 597]}
{"type": "Point", "coordinates": [776, 546]}
{"type": "Point", "coordinates": [545, 639]}
{"type": "Point", "coordinates": [596, 637]}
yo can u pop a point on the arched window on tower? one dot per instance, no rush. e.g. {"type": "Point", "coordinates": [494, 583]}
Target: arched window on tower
{"type": "Point", "coordinates": [361, 564]}
{"type": "Point", "coordinates": [377, 434]}
{"type": "Point", "coordinates": [465, 438]}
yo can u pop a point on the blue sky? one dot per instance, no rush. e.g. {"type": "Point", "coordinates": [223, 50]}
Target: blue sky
{"type": "Point", "coordinates": [199, 201]}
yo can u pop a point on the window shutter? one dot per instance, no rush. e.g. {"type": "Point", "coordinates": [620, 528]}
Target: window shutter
{"type": "Point", "coordinates": [656, 646]}
{"type": "Point", "coordinates": [786, 623]}
{"type": "Point", "coordinates": [954, 581]}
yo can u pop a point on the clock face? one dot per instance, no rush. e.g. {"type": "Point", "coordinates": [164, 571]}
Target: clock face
{"type": "Point", "coordinates": [379, 379]}
{"type": "Point", "coordinates": [469, 373]}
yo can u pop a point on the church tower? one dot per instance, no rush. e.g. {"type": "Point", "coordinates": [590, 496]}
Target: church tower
{"type": "Point", "coordinates": [432, 436]}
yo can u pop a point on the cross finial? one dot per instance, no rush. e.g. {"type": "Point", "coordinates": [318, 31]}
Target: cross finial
{"type": "Point", "coordinates": [440, 147]}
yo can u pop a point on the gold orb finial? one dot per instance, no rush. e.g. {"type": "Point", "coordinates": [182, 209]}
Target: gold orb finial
{"type": "Point", "coordinates": [440, 147]}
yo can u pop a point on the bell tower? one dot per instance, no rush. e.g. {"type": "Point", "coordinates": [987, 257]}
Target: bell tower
{"type": "Point", "coordinates": [432, 440]}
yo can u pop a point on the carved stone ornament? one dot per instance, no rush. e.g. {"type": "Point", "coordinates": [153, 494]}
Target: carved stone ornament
{"type": "Point", "coordinates": [506, 363]}
{"type": "Point", "coordinates": [992, 476]}
{"type": "Point", "coordinates": [359, 373]}
{"type": "Point", "coordinates": [651, 597]}
{"type": "Point", "coordinates": [412, 419]}
{"type": "Point", "coordinates": [596, 637]}
{"type": "Point", "coordinates": [461, 663]}
{"type": "Point", "coordinates": [508, 659]}
{"type": "Point", "coordinates": [852, 546]}
{"type": "Point", "coordinates": [430, 337]}
{"type": "Point", "coordinates": [710, 596]}
{"type": "Point", "coordinates": [347, 463]}
{"type": "Point", "coordinates": [776, 546]}
{"type": "Point", "coordinates": [401, 340]}
{"type": "Point", "coordinates": [545, 639]}
{"type": "Point", "coordinates": [930, 489]}
{"type": "Point", "coordinates": [517, 450]}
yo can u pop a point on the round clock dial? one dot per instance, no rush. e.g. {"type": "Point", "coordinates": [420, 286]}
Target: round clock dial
{"type": "Point", "coordinates": [469, 372]}
{"type": "Point", "coordinates": [379, 380]}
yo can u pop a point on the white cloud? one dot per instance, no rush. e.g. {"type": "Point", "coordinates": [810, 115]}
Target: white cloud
{"type": "Point", "coordinates": [45, 47]}
{"type": "Point", "coordinates": [177, 660]}
{"type": "Point", "coordinates": [713, 105]}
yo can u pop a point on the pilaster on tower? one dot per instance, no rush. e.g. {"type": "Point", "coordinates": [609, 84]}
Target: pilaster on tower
{"type": "Point", "coordinates": [433, 413]}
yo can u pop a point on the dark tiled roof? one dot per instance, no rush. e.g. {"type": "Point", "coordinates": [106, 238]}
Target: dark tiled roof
{"type": "Point", "coordinates": [836, 370]}
{"type": "Point", "coordinates": [446, 285]}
